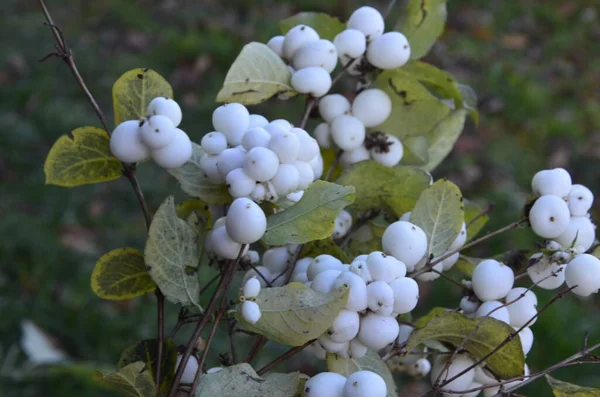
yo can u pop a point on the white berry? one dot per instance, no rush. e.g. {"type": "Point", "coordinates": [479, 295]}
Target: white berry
{"type": "Point", "coordinates": [385, 267]}
{"type": "Point", "coordinates": [555, 182]}
{"type": "Point", "coordinates": [580, 231]}
{"type": "Point", "coordinates": [350, 44]}
{"type": "Point", "coordinates": [361, 269]}
{"type": "Point", "coordinates": [332, 106]}
{"type": "Point", "coordinates": [357, 349]}
{"type": "Point", "coordinates": [256, 137]}
{"type": "Point", "coordinates": [286, 146]}
{"type": "Point", "coordinates": [316, 53]}
{"type": "Point", "coordinates": [313, 80]}
{"type": "Point", "coordinates": [322, 134]}
{"type": "Point", "coordinates": [208, 164]}
{"type": "Point", "coordinates": [126, 142]}
{"type": "Point", "coordinates": [376, 331]}
{"type": "Point", "coordinates": [157, 132]}
{"type": "Point", "coordinates": [251, 288]}
{"type": "Point", "coordinates": [324, 282]}
{"type": "Point", "coordinates": [214, 142]}
{"type": "Point", "coordinates": [584, 273]}
{"type": "Point", "coordinates": [276, 259]}
{"type": "Point", "coordinates": [380, 298]}
{"type": "Point", "coordinates": [322, 263]}
{"type": "Point", "coordinates": [523, 308]}
{"type": "Point", "coordinates": [389, 51]}
{"type": "Point", "coordinates": [367, 20]}
{"type": "Point", "coordinates": [406, 294]}
{"type": "Point", "coordinates": [296, 38]}
{"type": "Point", "coordinates": [246, 222]}
{"type": "Point", "coordinates": [344, 327]}
{"type": "Point", "coordinates": [276, 44]}
{"type": "Point", "coordinates": [355, 156]}
{"type": "Point", "coordinates": [347, 132]}
{"type": "Point", "coordinates": [372, 107]}
{"type": "Point", "coordinates": [257, 120]}
{"type": "Point", "coordinates": [325, 384]}
{"type": "Point", "coordinates": [526, 338]}
{"type": "Point", "coordinates": [261, 164]}
{"type": "Point", "coordinates": [549, 216]}
{"type": "Point", "coordinates": [405, 241]}
{"type": "Point", "coordinates": [580, 200]}
{"type": "Point", "coordinates": [492, 280]}
{"type": "Point", "coordinates": [224, 245]}
{"type": "Point", "coordinates": [239, 183]}
{"type": "Point", "coordinates": [230, 159]}
{"type": "Point", "coordinates": [545, 274]}
{"type": "Point", "coordinates": [458, 365]}
{"type": "Point", "coordinates": [365, 384]}
{"type": "Point", "coordinates": [391, 155]}
{"type": "Point", "coordinates": [251, 312]}
{"type": "Point", "coordinates": [165, 107]}
{"type": "Point", "coordinates": [494, 309]}
{"type": "Point", "coordinates": [232, 119]}
{"type": "Point", "coordinates": [469, 305]}
{"type": "Point", "coordinates": [191, 368]}
{"type": "Point", "coordinates": [357, 297]}
{"type": "Point", "coordinates": [306, 174]}
{"type": "Point", "coordinates": [176, 153]}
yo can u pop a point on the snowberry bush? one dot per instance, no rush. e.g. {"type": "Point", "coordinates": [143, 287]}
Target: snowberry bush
{"type": "Point", "coordinates": [322, 233]}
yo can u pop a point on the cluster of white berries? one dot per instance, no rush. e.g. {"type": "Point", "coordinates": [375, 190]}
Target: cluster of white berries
{"type": "Point", "coordinates": [419, 240]}
{"type": "Point", "coordinates": [244, 224]}
{"type": "Point", "coordinates": [561, 214]}
{"type": "Point", "coordinates": [345, 127]}
{"type": "Point", "coordinates": [256, 158]}
{"type": "Point", "coordinates": [358, 384]}
{"type": "Point", "coordinates": [155, 135]}
{"type": "Point", "coordinates": [378, 292]}
{"type": "Point", "coordinates": [275, 266]}
{"type": "Point", "coordinates": [311, 59]}
{"type": "Point", "coordinates": [250, 309]}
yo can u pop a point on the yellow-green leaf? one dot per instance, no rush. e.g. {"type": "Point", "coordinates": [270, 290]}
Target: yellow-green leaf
{"type": "Point", "coordinates": [325, 246]}
{"type": "Point", "coordinates": [416, 151]}
{"type": "Point", "coordinates": [436, 311]}
{"type": "Point", "coordinates": [422, 22]}
{"type": "Point", "coordinates": [564, 389]}
{"type": "Point", "coordinates": [146, 351]}
{"type": "Point", "coordinates": [439, 212]}
{"type": "Point", "coordinates": [439, 80]}
{"type": "Point", "coordinates": [134, 90]}
{"type": "Point", "coordinates": [121, 274]}
{"type": "Point", "coordinates": [452, 327]}
{"type": "Point", "coordinates": [172, 255]}
{"type": "Point", "coordinates": [241, 380]}
{"type": "Point", "coordinates": [371, 362]}
{"type": "Point", "coordinates": [327, 26]}
{"type": "Point", "coordinates": [466, 265]}
{"type": "Point", "coordinates": [377, 185]}
{"type": "Point", "coordinates": [294, 314]}
{"type": "Point", "coordinates": [82, 159]}
{"type": "Point", "coordinates": [469, 101]}
{"type": "Point", "coordinates": [133, 380]}
{"type": "Point", "coordinates": [471, 211]}
{"type": "Point", "coordinates": [311, 218]}
{"type": "Point", "coordinates": [192, 180]}
{"type": "Point", "coordinates": [188, 207]}
{"type": "Point", "coordinates": [443, 137]}
{"type": "Point", "coordinates": [257, 74]}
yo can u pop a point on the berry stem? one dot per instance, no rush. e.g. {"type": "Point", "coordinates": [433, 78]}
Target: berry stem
{"type": "Point", "coordinates": [291, 352]}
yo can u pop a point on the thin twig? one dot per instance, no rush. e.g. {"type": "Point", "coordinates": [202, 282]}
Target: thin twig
{"type": "Point", "coordinates": [160, 318]}
{"type": "Point", "coordinates": [260, 274]}
{"type": "Point", "coordinates": [222, 288]}
{"type": "Point", "coordinates": [333, 165]}
{"type": "Point", "coordinates": [430, 266]}
{"type": "Point", "coordinates": [310, 103]}
{"type": "Point", "coordinates": [231, 323]}
{"type": "Point", "coordinates": [282, 358]}
{"type": "Point", "coordinates": [484, 212]}
{"type": "Point", "coordinates": [259, 343]}
{"type": "Point", "coordinates": [389, 9]}
{"type": "Point", "coordinates": [211, 336]}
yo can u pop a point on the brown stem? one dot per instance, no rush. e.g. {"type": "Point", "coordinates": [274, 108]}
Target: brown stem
{"type": "Point", "coordinates": [259, 343]}
{"type": "Point", "coordinates": [282, 358]}
{"type": "Point", "coordinates": [473, 243]}
{"type": "Point", "coordinates": [213, 331]}
{"type": "Point", "coordinates": [486, 211]}
{"type": "Point", "coordinates": [160, 318]}
{"type": "Point", "coordinates": [65, 53]}
{"type": "Point", "coordinates": [222, 288]}
{"type": "Point", "coordinates": [335, 163]}
{"type": "Point", "coordinates": [310, 103]}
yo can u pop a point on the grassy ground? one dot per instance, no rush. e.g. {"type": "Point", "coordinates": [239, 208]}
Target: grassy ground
{"type": "Point", "coordinates": [535, 66]}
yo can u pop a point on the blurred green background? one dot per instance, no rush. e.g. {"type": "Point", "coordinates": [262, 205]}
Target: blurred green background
{"type": "Point", "coordinates": [535, 66]}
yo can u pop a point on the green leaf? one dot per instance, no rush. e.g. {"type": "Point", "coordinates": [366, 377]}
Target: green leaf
{"type": "Point", "coordinates": [439, 80]}
{"type": "Point", "coordinates": [188, 207]}
{"type": "Point", "coordinates": [443, 137]}
{"type": "Point", "coordinates": [469, 101]}
{"type": "Point", "coordinates": [133, 380]}
{"type": "Point", "coordinates": [311, 218]}
{"type": "Point", "coordinates": [415, 111]}
{"type": "Point", "coordinates": [325, 246]}
{"type": "Point", "coordinates": [121, 274]}
{"type": "Point", "coordinates": [371, 362]}
{"type": "Point", "coordinates": [422, 22]}
{"type": "Point", "coordinates": [416, 151]}
{"type": "Point", "coordinates": [82, 159]}
{"type": "Point", "coordinates": [472, 210]}
{"type": "Point", "coordinates": [134, 90]}
{"type": "Point", "coordinates": [436, 311]}
{"type": "Point", "coordinates": [362, 241]}
{"type": "Point", "coordinates": [193, 181]}
{"type": "Point", "coordinates": [257, 74]}
{"type": "Point", "coordinates": [327, 26]}
{"type": "Point", "coordinates": [439, 212]}
{"type": "Point", "coordinates": [146, 351]}
{"type": "Point", "coordinates": [294, 314]}
{"type": "Point", "coordinates": [564, 389]}
{"type": "Point", "coordinates": [453, 328]}
{"type": "Point", "coordinates": [241, 380]}
{"type": "Point", "coordinates": [377, 186]}
{"type": "Point", "coordinates": [172, 255]}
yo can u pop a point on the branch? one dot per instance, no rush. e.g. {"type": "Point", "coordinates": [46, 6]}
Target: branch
{"type": "Point", "coordinates": [333, 165]}
{"type": "Point", "coordinates": [282, 358]}
{"type": "Point", "coordinates": [222, 289]}
{"type": "Point", "coordinates": [473, 243]}
{"type": "Point", "coordinates": [486, 211]}
{"type": "Point", "coordinates": [308, 107]}
{"type": "Point", "coordinates": [213, 331]}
